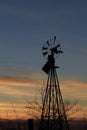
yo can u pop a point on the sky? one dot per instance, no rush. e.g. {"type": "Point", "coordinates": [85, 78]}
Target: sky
{"type": "Point", "coordinates": [25, 25]}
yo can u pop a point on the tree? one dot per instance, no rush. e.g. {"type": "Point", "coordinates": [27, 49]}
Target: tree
{"type": "Point", "coordinates": [71, 107]}
{"type": "Point", "coordinates": [35, 108]}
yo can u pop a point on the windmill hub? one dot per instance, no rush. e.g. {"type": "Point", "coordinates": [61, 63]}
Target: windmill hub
{"type": "Point", "coordinates": [51, 47]}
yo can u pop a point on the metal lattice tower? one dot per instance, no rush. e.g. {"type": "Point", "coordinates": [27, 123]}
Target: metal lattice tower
{"type": "Point", "coordinates": [53, 112]}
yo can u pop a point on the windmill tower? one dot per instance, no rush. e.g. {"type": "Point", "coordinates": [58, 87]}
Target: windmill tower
{"type": "Point", "coordinates": [53, 112]}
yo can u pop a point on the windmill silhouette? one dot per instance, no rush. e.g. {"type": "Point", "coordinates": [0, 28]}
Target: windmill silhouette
{"type": "Point", "coordinates": [53, 115]}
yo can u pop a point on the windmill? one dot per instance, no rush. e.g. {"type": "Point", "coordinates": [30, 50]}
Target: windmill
{"type": "Point", "coordinates": [53, 115]}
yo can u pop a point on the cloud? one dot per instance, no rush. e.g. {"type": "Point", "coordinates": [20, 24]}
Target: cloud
{"type": "Point", "coordinates": [74, 84]}
{"type": "Point", "coordinates": [74, 88]}
{"type": "Point", "coordinates": [7, 110]}
{"type": "Point", "coordinates": [28, 86]}
{"type": "Point", "coordinates": [17, 81]}
{"type": "Point", "coordinates": [17, 89]}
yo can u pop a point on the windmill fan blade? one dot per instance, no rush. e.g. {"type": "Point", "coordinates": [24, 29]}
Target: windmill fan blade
{"type": "Point", "coordinates": [47, 43]}
{"type": "Point", "coordinates": [54, 38]}
{"type": "Point", "coordinates": [44, 48]}
{"type": "Point", "coordinates": [44, 53]}
{"type": "Point", "coordinates": [57, 46]}
{"type": "Point", "coordinates": [60, 51]}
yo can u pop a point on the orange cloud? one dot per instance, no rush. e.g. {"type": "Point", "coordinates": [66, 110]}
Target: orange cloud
{"type": "Point", "coordinates": [12, 110]}
{"type": "Point", "coordinates": [74, 88]}
{"type": "Point", "coordinates": [69, 88]}
{"type": "Point", "coordinates": [14, 91]}
{"type": "Point", "coordinates": [16, 81]}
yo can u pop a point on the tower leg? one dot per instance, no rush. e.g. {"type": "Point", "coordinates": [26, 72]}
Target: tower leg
{"type": "Point", "coordinates": [53, 112]}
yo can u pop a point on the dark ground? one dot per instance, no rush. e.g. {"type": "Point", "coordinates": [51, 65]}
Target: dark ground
{"type": "Point", "coordinates": [23, 125]}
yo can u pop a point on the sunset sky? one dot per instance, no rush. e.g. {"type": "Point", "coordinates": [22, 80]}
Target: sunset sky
{"type": "Point", "coordinates": [24, 27]}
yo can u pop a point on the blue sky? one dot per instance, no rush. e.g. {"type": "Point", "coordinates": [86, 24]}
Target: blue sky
{"type": "Point", "coordinates": [24, 27]}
